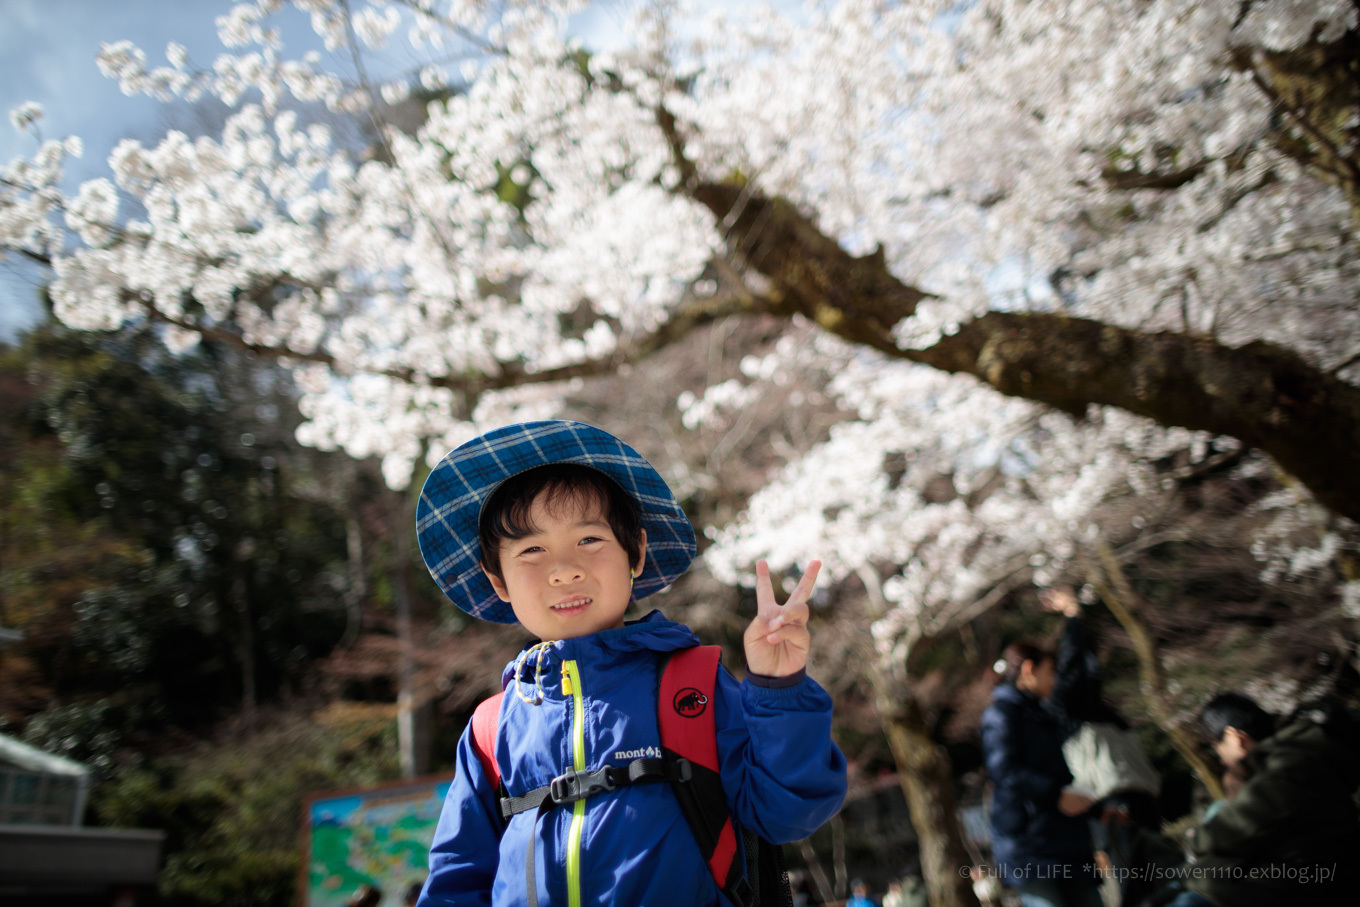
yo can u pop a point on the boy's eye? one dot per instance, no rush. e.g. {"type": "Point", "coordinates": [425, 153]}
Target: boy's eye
{"type": "Point", "coordinates": [590, 539]}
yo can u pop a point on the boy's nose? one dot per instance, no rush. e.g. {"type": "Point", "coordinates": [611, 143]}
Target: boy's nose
{"type": "Point", "coordinates": [565, 572]}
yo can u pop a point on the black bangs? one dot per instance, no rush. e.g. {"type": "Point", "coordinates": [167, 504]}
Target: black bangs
{"type": "Point", "coordinates": [506, 513]}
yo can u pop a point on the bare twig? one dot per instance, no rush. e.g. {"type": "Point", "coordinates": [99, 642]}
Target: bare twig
{"type": "Point", "coordinates": [462, 32]}
{"type": "Point", "coordinates": [1015, 576]}
{"type": "Point", "coordinates": [1114, 588]}
{"type": "Point", "coordinates": [1341, 165]}
{"type": "Point", "coordinates": [681, 324]}
{"type": "Point", "coordinates": [1345, 364]}
{"type": "Point", "coordinates": [381, 128]}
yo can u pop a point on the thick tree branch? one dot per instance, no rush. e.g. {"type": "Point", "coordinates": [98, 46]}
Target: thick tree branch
{"type": "Point", "coordinates": [1156, 179]}
{"type": "Point", "coordinates": [810, 273]}
{"type": "Point", "coordinates": [1265, 395]}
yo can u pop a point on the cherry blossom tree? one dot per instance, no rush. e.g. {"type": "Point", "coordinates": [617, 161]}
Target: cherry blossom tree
{"type": "Point", "coordinates": [1076, 203]}
{"type": "Point", "coordinates": [1042, 245]}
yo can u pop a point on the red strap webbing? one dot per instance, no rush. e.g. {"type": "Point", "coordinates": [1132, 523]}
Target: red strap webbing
{"type": "Point", "coordinates": [485, 721]}
{"type": "Point", "coordinates": [685, 714]}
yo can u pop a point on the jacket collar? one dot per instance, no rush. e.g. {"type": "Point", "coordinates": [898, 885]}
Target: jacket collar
{"type": "Point", "coordinates": [1009, 693]}
{"type": "Point", "coordinates": [652, 632]}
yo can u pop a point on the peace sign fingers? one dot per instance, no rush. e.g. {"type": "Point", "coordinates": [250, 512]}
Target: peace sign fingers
{"type": "Point", "coordinates": [777, 641]}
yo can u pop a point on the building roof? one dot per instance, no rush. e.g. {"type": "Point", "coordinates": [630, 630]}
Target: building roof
{"type": "Point", "coordinates": [20, 755]}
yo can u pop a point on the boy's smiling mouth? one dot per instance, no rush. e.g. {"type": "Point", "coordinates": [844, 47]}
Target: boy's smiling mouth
{"type": "Point", "coordinates": [571, 605]}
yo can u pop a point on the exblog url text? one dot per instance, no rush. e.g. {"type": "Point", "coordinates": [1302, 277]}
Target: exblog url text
{"type": "Point", "coordinates": [1267, 872]}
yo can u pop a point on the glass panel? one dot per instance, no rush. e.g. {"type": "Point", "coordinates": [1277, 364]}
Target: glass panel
{"type": "Point", "coordinates": [25, 789]}
{"type": "Point", "coordinates": [60, 793]}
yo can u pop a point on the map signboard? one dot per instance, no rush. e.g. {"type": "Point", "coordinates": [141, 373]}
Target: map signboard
{"type": "Point", "coordinates": [374, 836]}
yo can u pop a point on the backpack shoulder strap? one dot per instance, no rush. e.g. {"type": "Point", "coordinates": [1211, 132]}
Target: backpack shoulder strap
{"type": "Point", "coordinates": [688, 731]}
{"type": "Point", "coordinates": [485, 722]}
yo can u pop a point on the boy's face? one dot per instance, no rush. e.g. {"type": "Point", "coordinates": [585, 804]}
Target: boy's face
{"type": "Point", "coordinates": [570, 577]}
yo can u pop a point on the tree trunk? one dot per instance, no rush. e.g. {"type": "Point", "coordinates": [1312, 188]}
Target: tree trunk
{"type": "Point", "coordinates": [412, 739]}
{"type": "Point", "coordinates": [245, 645]}
{"type": "Point", "coordinates": [928, 783]}
{"type": "Point", "coordinates": [357, 569]}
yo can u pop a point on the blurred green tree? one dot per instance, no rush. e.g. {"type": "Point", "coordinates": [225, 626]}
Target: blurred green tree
{"type": "Point", "coordinates": [168, 552]}
{"type": "Point", "coordinates": [230, 808]}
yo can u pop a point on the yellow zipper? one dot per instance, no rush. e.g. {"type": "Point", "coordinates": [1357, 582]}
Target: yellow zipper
{"type": "Point", "coordinates": [571, 686]}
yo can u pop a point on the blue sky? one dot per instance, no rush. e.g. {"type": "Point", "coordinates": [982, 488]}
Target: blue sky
{"type": "Point", "coordinates": [47, 51]}
{"type": "Point", "coordinates": [47, 55]}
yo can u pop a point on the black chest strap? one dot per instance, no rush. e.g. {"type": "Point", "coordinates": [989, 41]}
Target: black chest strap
{"type": "Point", "coordinates": [572, 785]}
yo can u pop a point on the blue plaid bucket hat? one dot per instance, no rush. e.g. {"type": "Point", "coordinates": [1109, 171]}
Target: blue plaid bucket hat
{"type": "Point", "coordinates": [451, 502]}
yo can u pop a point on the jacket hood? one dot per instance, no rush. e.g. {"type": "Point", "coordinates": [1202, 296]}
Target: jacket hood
{"type": "Point", "coordinates": [652, 632]}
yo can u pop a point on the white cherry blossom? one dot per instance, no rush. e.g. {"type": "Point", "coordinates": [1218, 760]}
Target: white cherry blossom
{"type": "Point", "coordinates": [1114, 160]}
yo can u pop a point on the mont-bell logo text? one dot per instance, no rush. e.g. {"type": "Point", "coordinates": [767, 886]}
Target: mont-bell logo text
{"type": "Point", "coordinates": [647, 752]}
{"type": "Point", "coordinates": [690, 703]}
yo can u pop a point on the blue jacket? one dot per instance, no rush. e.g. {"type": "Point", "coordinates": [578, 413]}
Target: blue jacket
{"type": "Point", "coordinates": [1031, 839]}
{"type": "Point", "coordinates": [781, 772]}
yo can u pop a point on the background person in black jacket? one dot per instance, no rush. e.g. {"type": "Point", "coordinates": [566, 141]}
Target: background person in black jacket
{"type": "Point", "coordinates": [1106, 760]}
{"type": "Point", "coordinates": [1041, 845]}
{"type": "Point", "coordinates": [1289, 833]}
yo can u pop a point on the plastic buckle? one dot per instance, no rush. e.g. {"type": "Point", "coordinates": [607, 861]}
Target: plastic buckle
{"type": "Point", "coordinates": [684, 771]}
{"type": "Point", "coordinates": [571, 786]}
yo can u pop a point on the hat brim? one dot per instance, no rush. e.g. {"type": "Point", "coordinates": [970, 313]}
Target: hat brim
{"type": "Point", "coordinates": [451, 502]}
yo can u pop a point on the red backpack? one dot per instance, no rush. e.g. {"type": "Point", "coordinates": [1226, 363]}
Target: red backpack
{"type": "Point", "coordinates": [689, 762]}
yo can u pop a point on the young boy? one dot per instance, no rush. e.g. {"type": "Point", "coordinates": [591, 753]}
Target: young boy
{"type": "Point", "coordinates": [559, 526]}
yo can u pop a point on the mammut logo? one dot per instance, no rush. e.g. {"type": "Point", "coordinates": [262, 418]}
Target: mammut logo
{"type": "Point", "coordinates": [647, 752]}
{"type": "Point", "coordinates": [690, 703]}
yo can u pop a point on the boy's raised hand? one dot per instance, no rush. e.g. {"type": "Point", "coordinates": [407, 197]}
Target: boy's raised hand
{"type": "Point", "coordinates": [777, 640]}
